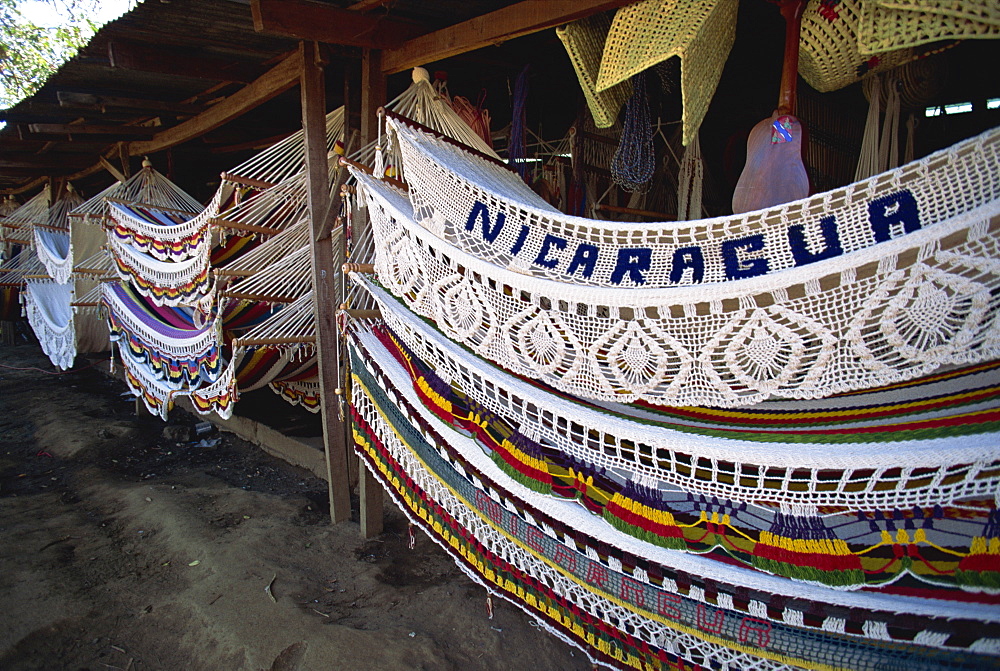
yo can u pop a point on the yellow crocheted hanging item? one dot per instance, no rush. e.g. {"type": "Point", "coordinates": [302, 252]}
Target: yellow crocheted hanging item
{"type": "Point", "coordinates": [896, 24]}
{"type": "Point", "coordinates": [584, 43]}
{"type": "Point", "coordinates": [699, 32]}
{"type": "Point", "coordinates": [829, 58]}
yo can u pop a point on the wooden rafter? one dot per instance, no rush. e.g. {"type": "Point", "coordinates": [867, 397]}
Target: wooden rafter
{"type": "Point", "coordinates": [321, 22]}
{"type": "Point", "coordinates": [102, 103]}
{"type": "Point", "coordinates": [275, 81]}
{"type": "Point", "coordinates": [523, 18]}
{"type": "Point", "coordinates": [92, 129]}
{"type": "Point", "coordinates": [178, 62]}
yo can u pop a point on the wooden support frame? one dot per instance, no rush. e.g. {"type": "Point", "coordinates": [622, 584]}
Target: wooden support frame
{"type": "Point", "coordinates": [324, 279]}
{"type": "Point", "coordinates": [523, 18]}
{"type": "Point", "coordinates": [275, 81]}
{"type": "Point", "coordinates": [373, 97]}
{"type": "Point", "coordinates": [323, 22]}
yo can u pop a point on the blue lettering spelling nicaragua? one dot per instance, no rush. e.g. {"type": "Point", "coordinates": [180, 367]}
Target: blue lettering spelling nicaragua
{"type": "Point", "coordinates": [888, 216]}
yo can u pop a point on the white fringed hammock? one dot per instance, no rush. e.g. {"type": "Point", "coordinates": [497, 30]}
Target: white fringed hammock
{"type": "Point", "coordinates": [894, 311]}
{"type": "Point", "coordinates": [483, 208]}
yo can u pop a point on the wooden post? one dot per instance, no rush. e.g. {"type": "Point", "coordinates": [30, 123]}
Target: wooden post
{"type": "Point", "coordinates": [373, 96]}
{"type": "Point", "coordinates": [352, 125]}
{"type": "Point", "coordinates": [324, 279]}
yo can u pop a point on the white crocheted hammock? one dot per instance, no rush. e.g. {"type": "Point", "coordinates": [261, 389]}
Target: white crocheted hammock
{"type": "Point", "coordinates": [52, 238]}
{"type": "Point", "coordinates": [47, 307]}
{"type": "Point", "coordinates": [485, 209]}
{"type": "Point", "coordinates": [53, 251]}
{"type": "Point", "coordinates": [894, 311]}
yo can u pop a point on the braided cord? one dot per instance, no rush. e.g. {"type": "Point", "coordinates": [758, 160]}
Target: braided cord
{"type": "Point", "coordinates": [634, 162]}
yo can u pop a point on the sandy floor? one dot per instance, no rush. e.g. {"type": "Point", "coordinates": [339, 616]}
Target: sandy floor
{"type": "Point", "coordinates": [123, 546]}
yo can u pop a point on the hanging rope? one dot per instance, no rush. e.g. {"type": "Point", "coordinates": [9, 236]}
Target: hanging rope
{"type": "Point", "coordinates": [517, 150]}
{"type": "Point", "coordinates": [634, 162]}
{"type": "Point", "coordinates": [689, 182]}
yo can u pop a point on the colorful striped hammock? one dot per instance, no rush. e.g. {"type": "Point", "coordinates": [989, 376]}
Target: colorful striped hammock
{"type": "Point", "coordinates": [629, 603]}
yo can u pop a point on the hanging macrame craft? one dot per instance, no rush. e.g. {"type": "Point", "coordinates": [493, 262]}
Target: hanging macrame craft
{"type": "Point", "coordinates": [635, 161]}
{"type": "Point", "coordinates": [517, 150]}
{"type": "Point", "coordinates": [690, 178]}
{"type": "Point", "coordinates": [699, 32]}
{"type": "Point", "coordinates": [889, 25]}
{"type": "Point", "coordinates": [829, 56]}
{"type": "Point", "coordinates": [584, 42]}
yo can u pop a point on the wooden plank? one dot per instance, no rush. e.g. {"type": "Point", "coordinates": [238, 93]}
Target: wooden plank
{"type": "Point", "coordinates": [365, 5]}
{"type": "Point", "coordinates": [322, 22]}
{"type": "Point", "coordinates": [178, 62]}
{"type": "Point", "coordinates": [92, 129]}
{"type": "Point", "coordinates": [123, 158]}
{"type": "Point", "coordinates": [373, 96]}
{"type": "Point", "coordinates": [275, 81]}
{"type": "Point", "coordinates": [102, 103]}
{"type": "Point", "coordinates": [324, 280]}
{"type": "Point", "coordinates": [112, 169]}
{"type": "Point", "coordinates": [524, 18]}
{"type": "Point", "coordinates": [46, 162]}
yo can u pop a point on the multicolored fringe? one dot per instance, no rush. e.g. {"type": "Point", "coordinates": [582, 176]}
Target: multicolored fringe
{"type": "Point", "coordinates": [849, 549]}
{"type": "Point", "coordinates": [189, 292]}
{"type": "Point", "coordinates": [155, 404]}
{"type": "Point", "coordinates": [300, 392]}
{"type": "Point", "coordinates": [164, 250]}
{"type": "Point", "coordinates": [624, 610]}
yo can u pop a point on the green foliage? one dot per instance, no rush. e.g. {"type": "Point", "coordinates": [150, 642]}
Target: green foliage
{"type": "Point", "coordinates": [29, 53]}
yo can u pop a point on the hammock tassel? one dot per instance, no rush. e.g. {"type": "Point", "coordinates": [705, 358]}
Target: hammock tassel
{"type": "Point", "coordinates": [689, 182]}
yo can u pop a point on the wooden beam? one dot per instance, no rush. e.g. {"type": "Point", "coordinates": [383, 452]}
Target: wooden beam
{"type": "Point", "coordinates": [365, 5]}
{"type": "Point", "coordinates": [123, 157]}
{"type": "Point", "coordinates": [373, 96]}
{"type": "Point", "coordinates": [322, 22]}
{"type": "Point", "coordinates": [102, 103]}
{"type": "Point", "coordinates": [46, 163]}
{"type": "Point", "coordinates": [524, 18]}
{"type": "Point", "coordinates": [92, 129]}
{"type": "Point", "coordinates": [178, 62]}
{"type": "Point", "coordinates": [275, 81]}
{"type": "Point", "coordinates": [325, 280]}
{"type": "Point", "coordinates": [112, 169]}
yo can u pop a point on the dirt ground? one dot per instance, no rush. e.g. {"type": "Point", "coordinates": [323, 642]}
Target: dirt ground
{"type": "Point", "coordinates": [125, 546]}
